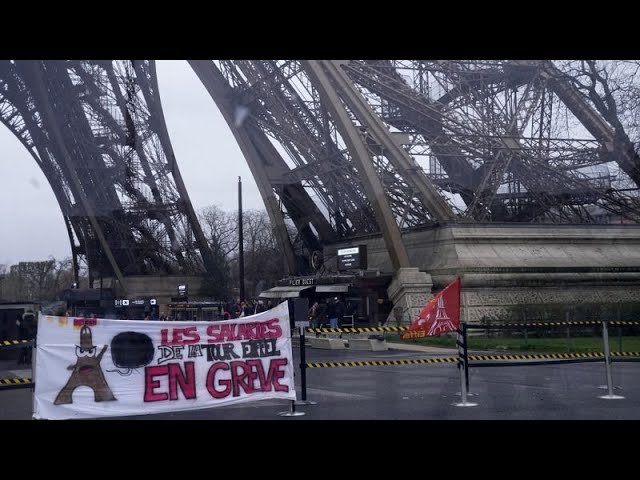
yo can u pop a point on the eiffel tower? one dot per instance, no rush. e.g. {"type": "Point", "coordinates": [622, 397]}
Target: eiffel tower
{"type": "Point", "coordinates": [397, 154]}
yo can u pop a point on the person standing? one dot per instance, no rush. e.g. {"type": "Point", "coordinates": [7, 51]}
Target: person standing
{"type": "Point", "coordinates": [332, 314]}
{"type": "Point", "coordinates": [27, 330]}
{"type": "Point", "coordinates": [313, 314]}
{"type": "Point", "coordinates": [339, 312]}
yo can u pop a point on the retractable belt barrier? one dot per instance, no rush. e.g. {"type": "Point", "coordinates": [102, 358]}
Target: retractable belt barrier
{"type": "Point", "coordinates": [470, 326]}
{"type": "Point", "coordinates": [497, 359]}
{"type": "Point", "coordinates": [12, 383]}
{"type": "Point", "coordinates": [355, 330]}
{"type": "Point", "coordinates": [465, 361]}
{"type": "Point", "coordinates": [15, 343]}
{"type": "Point", "coordinates": [546, 324]}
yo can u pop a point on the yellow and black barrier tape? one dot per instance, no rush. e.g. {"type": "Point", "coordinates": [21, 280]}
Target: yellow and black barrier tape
{"type": "Point", "coordinates": [418, 361]}
{"type": "Point", "coordinates": [551, 356]}
{"type": "Point", "coordinates": [551, 324]}
{"type": "Point", "coordinates": [382, 363]}
{"type": "Point", "coordinates": [12, 343]}
{"type": "Point", "coordinates": [470, 325]}
{"type": "Point", "coordinates": [356, 330]}
{"type": "Point", "coordinates": [14, 381]}
{"type": "Point", "coordinates": [535, 356]}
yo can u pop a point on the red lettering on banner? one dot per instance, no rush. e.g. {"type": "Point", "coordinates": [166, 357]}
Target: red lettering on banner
{"type": "Point", "coordinates": [244, 331]}
{"type": "Point", "coordinates": [151, 384]}
{"type": "Point", "coordinates": [213, 331]}
{"type": "Point", "coordinates": [275, 325]}
{"type": "Point", "coordinates": [211, 377]}
{"type": "Point", "coordinates": [79, 322]}
{"type": "Point", "coordinates": [179, 336]}
{"type": "Point", "coordinates": [243, 376]}
{"type": "Point", "coordinates": [187, 380]}
{"type": "Point", "coordinates": [275, 373]}
{"type": "Point", "coordinates": [239, 374]}
{"type": "Point", "coordinates": [247, 331]}
{"type": "Point", "coordinates": [227, 333]}
{"type": "Point", "coordinates": [256, 366]}
{"type": "Point", "coordinates": [191, 335]}
{"type": "Point", "coordinates": [252, 375]}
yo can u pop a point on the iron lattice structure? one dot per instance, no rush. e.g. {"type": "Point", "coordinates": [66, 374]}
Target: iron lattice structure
{"type": "Point", "coordinates": [351, 148]}
{"type": "Point", "coordinates": [339, 149]}
{"type": "Point", "coordinates": [97, 131]}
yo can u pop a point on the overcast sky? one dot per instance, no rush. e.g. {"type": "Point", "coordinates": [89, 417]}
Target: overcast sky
{"type": "Point", "coordinates": [31, 225]}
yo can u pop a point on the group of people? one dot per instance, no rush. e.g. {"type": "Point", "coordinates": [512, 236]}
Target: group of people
{"type": "Point", "coordinates": [227, 311]}
{"type": "Point", "coordinates": [246, 308]}
{"type": "Point", "coordinates": [332, 311]}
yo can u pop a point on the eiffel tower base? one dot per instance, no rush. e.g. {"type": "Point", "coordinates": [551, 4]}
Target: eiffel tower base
{"type": "Point", "coordinates": [409, 291]}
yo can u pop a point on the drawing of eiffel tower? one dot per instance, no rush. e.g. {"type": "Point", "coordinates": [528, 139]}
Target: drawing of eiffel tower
{"type": "Point", "coordinates": [442, 322]}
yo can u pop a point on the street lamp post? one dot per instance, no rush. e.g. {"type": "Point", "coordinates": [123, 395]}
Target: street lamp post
{"type": "Point", "coordinates": [240, 240]}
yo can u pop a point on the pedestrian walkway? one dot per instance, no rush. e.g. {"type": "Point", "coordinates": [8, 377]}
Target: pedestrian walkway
{"type": "Point", "coordinates": [11, 369]}
{"type": "Point", "coordinates": [412, 347]}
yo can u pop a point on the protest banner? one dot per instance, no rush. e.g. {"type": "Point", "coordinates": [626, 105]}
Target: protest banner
{"type": "Point", "coordinates": [88, 367]}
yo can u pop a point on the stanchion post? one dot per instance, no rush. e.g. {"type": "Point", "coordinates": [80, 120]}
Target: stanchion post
{"type": "Point", "coordinates": [465, 339]}
{"type": "Point", "coordinates": [465, 355]}
{"type": "Point", "coordinates": [292, 411]}
{"type": "Point", "coordinates": [303, 370]}
{"type": "Point", "coordinates": [607, 362]}
{"type": "Point", "coordinates": [566, 319]}
{"type": "Point", "coordinates": [461, 364]}
{"type": "Point", "coordinates": [303, 366]}
{"type": "Point", "coordinates": [618, 317]}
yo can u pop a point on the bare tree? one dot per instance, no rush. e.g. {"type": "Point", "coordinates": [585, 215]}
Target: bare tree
{"type": "Point", "coordinates": [37, 281]}
{"type": "Point", "coordinates": [221, 231]}
{"type": "Point", "coordinates": [264, 261]}
{"type": "Point", "coordinates": [612, 88]}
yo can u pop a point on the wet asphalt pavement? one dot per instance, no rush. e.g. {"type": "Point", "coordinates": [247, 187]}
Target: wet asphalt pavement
{"type": "Point", "coordinates": [417, 392]}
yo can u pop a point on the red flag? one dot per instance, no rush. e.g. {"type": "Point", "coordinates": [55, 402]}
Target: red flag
{"type": "Point", "coordinates": [440, 315]}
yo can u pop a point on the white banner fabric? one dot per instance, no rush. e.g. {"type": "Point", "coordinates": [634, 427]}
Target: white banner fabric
{"type": "Point", "coordinates": [87, 367]}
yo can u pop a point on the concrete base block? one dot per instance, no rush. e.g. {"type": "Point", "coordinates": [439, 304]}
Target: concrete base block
{"type": "Point", "coordinates": [327, 343]}
{"type": "Point", "coordinates": [409, 291]}
{"type": "Point", "coordinates": [368, 345]}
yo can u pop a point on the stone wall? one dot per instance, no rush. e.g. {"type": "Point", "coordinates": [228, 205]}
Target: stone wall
{"type": "Point", "coordinates": [503, 266]}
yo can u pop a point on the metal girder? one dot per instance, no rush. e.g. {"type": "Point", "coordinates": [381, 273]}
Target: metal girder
{"type": "Point", "coordinates": [304, 130]}
{"type": "Point", "coordinates": [419, 113]}
{"type": "Point", "coordinates": [41, 94]}
{"type": "Point", "coordinates": [148, 82]}
{"type": "Point", "coordinates": [486, 140]}
{"type": "Point", "coordinates": [218, 90]}
{"type": "Point", "coordinates": [320, 73]}
{"type": "Point", "coordinates": [493, 176]}
{"type": "Point", "coordinates": [411, 173]}
{"type": "Point", "coordinates": [297, 202]}
{"type": "Point", "coordinates": [318, 139]}
{"type": "Point", "coordinates": [478, 128]}
{"type": "Point", "coordinates": [110, 122]}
